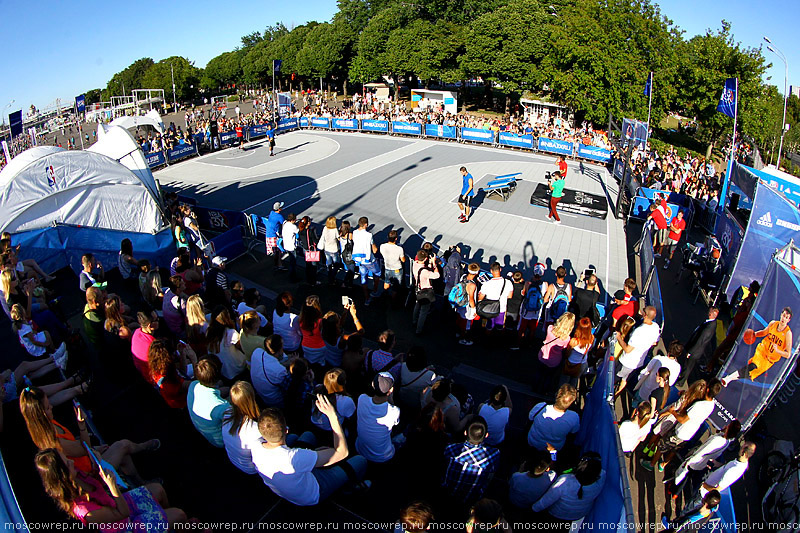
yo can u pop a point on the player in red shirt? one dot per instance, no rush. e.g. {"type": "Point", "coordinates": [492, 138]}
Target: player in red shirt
{"type": "Point", "coordinates": [240, 136]}
{"type": "Point", "coordinates": [562, 166]}
{"type": "Point", "coordinates": [657, 214]}
{"type": "Point", "coordinates": [676, 227]}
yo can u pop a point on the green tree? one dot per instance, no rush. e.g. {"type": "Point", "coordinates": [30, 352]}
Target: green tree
{"type": "Point", "coordinates": [223, 69]}
{"type": "Point", "coordinates": [370, 62]}
{"type": "Point", "coordinates": [132, 77]}
{"type": "Point", "coordinates": [429, 51]}
{"type": "Point", "coordinates": [93, 96]}
{"type": "Point", "coordinates": [187, 77]}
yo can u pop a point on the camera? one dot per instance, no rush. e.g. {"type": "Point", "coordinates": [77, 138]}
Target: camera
{"type": "Point", "coordinates": [548, 176]}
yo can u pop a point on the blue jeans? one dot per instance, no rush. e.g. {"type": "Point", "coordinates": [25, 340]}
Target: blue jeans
{"type": "Point", "coordinates": [332, 478]}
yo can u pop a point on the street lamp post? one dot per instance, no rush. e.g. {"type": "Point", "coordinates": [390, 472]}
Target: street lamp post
{"type": "Point", "coordinates": [174, 100]}
{"type": "Point", "coordinates": [775, 50]}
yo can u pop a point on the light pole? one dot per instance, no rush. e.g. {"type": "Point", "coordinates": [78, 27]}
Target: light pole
{"type": "Point", "coordinates": [775, 50]}
{"type": "Point", "coordinates": [174, 100]}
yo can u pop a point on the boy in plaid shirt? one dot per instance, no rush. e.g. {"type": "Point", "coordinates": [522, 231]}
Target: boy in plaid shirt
{"type": "Point", "coordinates": [470, 464]}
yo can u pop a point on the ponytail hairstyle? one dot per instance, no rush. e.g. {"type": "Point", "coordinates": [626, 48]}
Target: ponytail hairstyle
{"type": "Point", "coordinates": [497, 398]}
{"type": "Point", "coordinates": [588, 470]}
{"type": "Point", "coordinates": [642, 414]}
{"type": "Point", "coordinates": [663, 373]}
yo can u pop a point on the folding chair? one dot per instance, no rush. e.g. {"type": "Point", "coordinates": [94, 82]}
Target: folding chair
{"type": "Point", "coordinates": [256, 234]}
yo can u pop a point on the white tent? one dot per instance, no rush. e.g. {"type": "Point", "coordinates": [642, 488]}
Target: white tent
{"type": "Point", "coordinates": [151, 118]}
{"type": "Point", "coordinates": [117, 143]}
{"type": "Point", "coordinates": [46, 186]}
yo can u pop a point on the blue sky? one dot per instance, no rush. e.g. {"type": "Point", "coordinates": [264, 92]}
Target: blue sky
{"type": "Point", "coordinates": [60, 49]}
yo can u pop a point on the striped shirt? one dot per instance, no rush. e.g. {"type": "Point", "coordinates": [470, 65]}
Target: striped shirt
{"type": "Point", "coordinates": [469, 468]}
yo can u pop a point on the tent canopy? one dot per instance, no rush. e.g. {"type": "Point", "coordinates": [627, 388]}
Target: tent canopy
{"type": "Point", "coordinates": [45, 186]}
{"type": "Point", "coordinates": [117, 143]}
{"type": "Point", "coordinates": [151, 118]}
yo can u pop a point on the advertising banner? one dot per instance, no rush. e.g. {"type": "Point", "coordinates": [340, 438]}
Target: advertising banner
{"type": "Point", "coordinates": [442, 132]}
{"type": "Point", "coordinates": [218, 219]}
{"type": "Point", "coordinates": [227, 137]}
{"type": "Point", "coordinates": [635, 131]}
{"type": "Point", "coordinates": [381, 126]}
{"type": "Point", "coordinates": [759, 364]}
{"type": "Point", "coordinates": [350, 124]}
{"type": "Point", "coordinates": [477, 135]}
{"type": "Point", "coordinates": [594, 153]}
{"type": "Point", "coordinates": [729, 234]}
{"type": "Point", "coordinates": [303, 122]}
{"type": "Point", "coordinates": [155, 159]}
{"type": "Point", "coordinates": [619, 169]}
{"type": "Point", "coordinates": [258, 130]}
{"type": "Point", "coordinates": [80, 103]}
{"type": "Point", "coordinates": [554, 146]}
{"type": "Point", "coordinates": [640, 208]}
{"type": "Point", "coordinates": [15, 123]}
{"type": "Point", "coordinates": [287, 124]}
{"type": "Point", "coordinates": [199, 138]}
{"type": "Point", "coordinates": [774, 221]}
{"type": "Point", "coordinates": [406, 128]}
{"type": "Point", "coordinates": [320, 122]}
{"type": "Point", "coordinates": [517, 141]}
{"type": "Point", "coordinates": [181, 151]}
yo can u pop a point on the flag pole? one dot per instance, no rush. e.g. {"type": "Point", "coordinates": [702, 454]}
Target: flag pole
{"type": "Point", "coordinates": [649, 104]}
{"type": "Point", "coordinates": [723, 199]}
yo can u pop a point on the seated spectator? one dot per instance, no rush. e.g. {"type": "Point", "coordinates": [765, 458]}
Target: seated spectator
{"type": "Point", "coordinates": [376, 417]}
{"type": "Point", "coordinates": [205, 400]}
{"type": "Point", "coordinates": [45, 433]}
{"type": "Point", "coordinates": [223, 341]}
{"type": "Point", "coordinates": [127, 264]}
{"type": "Point", "coordinates": [299, 392]}
{"type": "Point", "coordinates": [382, 360]}
{"type": "Point", "coordinates": [250, 302]}
{"type": "Point", "coordinates": [174, 306]}
{"type": "Point", "coordinates": [353, 363]}
{"type": "Point", "coordinates": [269, 376]}
{"type": "Point", "coordinates": [572, 495]}
{"type": "Point", "coordinates": [237, 294]}
{"type": "Point", "coordinates": [532, 481]}
{"type": "Point", "coordinates": [116, 323]}
{"type": "Point", "coordinates": [634, 431]}
{"type": "Point", "coordinates": [297, 474]}
{"type": "Point", "coordinates": [103, 504]}
{"type": "Point", "coordinates": [415, 376]}
{"type": "Point", "coordinates": [167, 371]}
{"type": "Point", "coordinates": [416, 518]}
{"type": "Point", "coordinates": [217, 288]}
{"type": "Point", "coordinates": [334, 388]}
{"type": "Point", "coordinates": [37, 344]}
{"type": "Point", "coordinates": [696, 518]}
{"type": "Point", "coordinates": [286, 323]}
{"type": "Point", "coordinates": [13, 381]}
{"type": "Point", "coordinates": [94, 318]}
{"type": "Point", "coordinates": [30, 265]}
{"type": "Point", "coordinates": [35, 307]}
{"type": "Point", "coordinates": [440, 396]}
{"type": "Point", "coordinates": [249, 339]}
{"type": "Point", "coordinates": [141, 340]}
{"type": "Point", "coordinates": [311, 330]}
{"type": "Point", "coordinates": [92, 272]}
{"type": "Point", "coordinates": [335, 340]}
{"type": "Point", "coordinates": [552, 424]}
{"type": "Point", "coordinates": [496, 413]}
{"type": "Point", "coordinates": [197, 325]}
{"type": "Point", "coordinates": [471, 464]}
{"type": "Point", "coordinates": [240, 427]}
{"type": "Point", "coordinates": [152, 292]}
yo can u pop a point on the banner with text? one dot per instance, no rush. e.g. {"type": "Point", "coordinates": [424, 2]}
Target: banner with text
{"type": "Point", "coordinates": [259, 130]}
{"type": "Point", "coordinates": [320, 122]}
{"type": "Point", "coordinates": [619, 169]}
{"type": "Point", "coordinates": [15, 123]}
{"type": "Point", "coordinates": [380, 126]}
{"type": "Point", "coordinates": [517, 141]}
{"type": "Point", "coordinates": [729, 234]}
{"type": "Point", "coordinates": [227, 137]}
{"type": "Point", "coordinates": [594, 153]}
{"type": "Point", "coordinates": [554, 146]}
{"type": "Point", "coordinates": [155, 159]}
{"type": "Point", "coordinates": [477, 135]}
{"type": "Point", "coordinates": [181, 151]}
{"type": "Point", "coordinates": [303, 122]}
{"type": "Point", "coordinates": [287, 124]}
{"type": "Point", "coordinates": [406, 128]}
{"type": "Point", "coordinates": [441, 132]}
{"type": "Point", "coordinates": [350, 124]}
{"type": "Point", "coordinates": [80, 103]}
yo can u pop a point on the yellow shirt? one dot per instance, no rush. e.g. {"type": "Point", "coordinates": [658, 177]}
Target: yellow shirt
{"type": "Point", "coordinates": [765, 355]}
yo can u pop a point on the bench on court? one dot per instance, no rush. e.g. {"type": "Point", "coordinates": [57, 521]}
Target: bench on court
{"type": "Point", "coordinates": [501, 186]}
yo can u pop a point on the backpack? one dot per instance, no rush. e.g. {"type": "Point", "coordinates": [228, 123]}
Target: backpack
{"type": "Point", "coordinates": [347, 253]}
{"type": "Point", "coordinates": [560, 302]}
{"type": "Point", "coordinates": [453, 269]}
{"type": "Point", "coordinates": [534, 299]}
{"type": "Point", "coordinates": [458, 296]}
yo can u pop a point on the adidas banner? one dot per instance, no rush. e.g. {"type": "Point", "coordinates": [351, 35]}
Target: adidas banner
{"type": "Point", "coordinates": [774, 221]}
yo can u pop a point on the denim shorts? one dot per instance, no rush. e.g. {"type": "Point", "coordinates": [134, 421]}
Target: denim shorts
{"type": "Point", "coordinates": [396, 275]}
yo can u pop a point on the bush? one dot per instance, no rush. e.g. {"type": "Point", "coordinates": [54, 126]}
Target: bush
{"type": "Point", "coordinates": [233, 98]}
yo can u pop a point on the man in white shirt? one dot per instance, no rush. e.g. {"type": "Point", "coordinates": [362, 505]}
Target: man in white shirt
{"type": "Point", "coordinates": [635, 350]}
{"type": "Point", "coordinates": [496, 289]}
{"type": "Point", "coordinates": [376, 417]}
{"type": "Point", "coordinates": [647, 378]}
{"type": "Point", "coordinates": [289, 233]}
{"type": "Point", "coordinates": [393, 259]}
{"type": "Point", "coordinates": [364, 251]}
{"type": "Point", "coordinates": [729, 473]}
{"type": "Point", "coordinates": [299, 475]}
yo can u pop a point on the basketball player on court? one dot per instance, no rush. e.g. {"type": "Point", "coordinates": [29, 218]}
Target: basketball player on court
{"type": "Point", "coordinates": [467, 193]}
{"type": "Point", "coordinates": [777, 343]}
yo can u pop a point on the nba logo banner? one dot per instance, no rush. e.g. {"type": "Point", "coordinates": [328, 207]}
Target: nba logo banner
{"type": "Point", "coordinates": [80, 103]}
{"type": "Point", "coordinates": [727, 102]}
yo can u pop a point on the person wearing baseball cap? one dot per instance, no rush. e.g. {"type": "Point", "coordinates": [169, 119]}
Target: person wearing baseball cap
{"type": "Point", "coordinates": [217, 287]}
{"type": "Point", "coordinates": [376, 418]}
{"type": "Point", "coordinates": [273, 224]}
{"type": "Point", "coordinates": [532, 304]}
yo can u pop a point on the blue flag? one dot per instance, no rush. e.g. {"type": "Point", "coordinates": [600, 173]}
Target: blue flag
{"type": "Point", "coordinates": [80, 103]}
{"type": "Point", "coordinates": [727, 102]}
{"type": "Point", "coordinates": [276, 65]}
{"type": "Point", "coordinates": [648, 86]}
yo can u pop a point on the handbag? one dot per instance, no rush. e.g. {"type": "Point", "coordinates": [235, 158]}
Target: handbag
{"type": "Point", "coordinates": [424, 295]}
{"type": "Point", "coordinates": [490, 308]}
{"type": "Point", "coordinates": [572, 370]}
{"type": "Point", "coordinates": [312, 256]}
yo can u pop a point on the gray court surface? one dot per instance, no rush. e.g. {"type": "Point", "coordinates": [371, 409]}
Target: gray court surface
{"type": "Point", "coordinates": [411, 185]}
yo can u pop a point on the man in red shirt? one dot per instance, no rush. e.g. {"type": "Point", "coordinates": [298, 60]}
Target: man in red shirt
{"type": "Point", "coordinates": [240, 135]}
{"type": "Point", "coordinates": [562, 166]}
{"type": "Point", "coordinates": [657, 214]}
{"type": "Point", "coordinates": [676, 227]}
{"type": "Point", "coordinates": [626, 303]}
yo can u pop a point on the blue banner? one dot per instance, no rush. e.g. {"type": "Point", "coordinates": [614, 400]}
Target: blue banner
{"type": "Point", "coordinates": [406, 128]}
{"type": "Point", "coordinates": [209, 218]}
{"type": "Point", "coordinates": [594, 153]}
{"type": "Point", "coordinates": [303, 122]}
{"type": "Point", "coordinates": [227, 137]}
{"type": "Point", "coordinates": [554, 146]}
{"type": "Point", "coordinates": [15, 123]}
{"type": "Point", "coordinates": [477, 135]}
{"type": "Point", "coordinates": [80, 103]}
{"type": "Point", "coordinates": [442, 132]}
{"type": "Point", "coordinates": [259, 130]}
{"type": "Point", "coordinates": [286, 124]}
{"type": "Point", "coordinates": [729, 234]}
{"type": "Point", "coordinates": [181, 151]}
{"type": "Point", "coordinates": [619, 169]}
{"type": "Point", "coordinates": [320, 122]}
{"type": "Point", "coordinates": [199, 138]}
{"type": "Point", "coordinates": [345, 124]}
{"type": "Point", "coordinates": [155, 159]}
{"type": "Point", "coordinates": [727, 101]}
{"type": "Point", "coordinates": [773, 222]}
{"type": "Point", "coordinates": [641, 208]}
{"type": "Point", "coordinates": [518, 141]}
{"type": "Point", "coordinates": [381, 126]}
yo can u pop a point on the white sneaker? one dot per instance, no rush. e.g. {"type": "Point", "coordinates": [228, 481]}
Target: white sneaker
{"type": "Point", "coordinates": [465, 342]}
{"type": "Point", "coordinates": [60, 356]}
{"type": "Point", "coordinates": [556, 222]}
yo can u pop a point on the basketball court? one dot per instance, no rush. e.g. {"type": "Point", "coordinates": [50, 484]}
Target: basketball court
{"type": "Point", "coordinates": [411, 185]}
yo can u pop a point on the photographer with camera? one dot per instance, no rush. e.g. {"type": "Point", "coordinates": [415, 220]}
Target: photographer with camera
{"type": "Point", "coordinates": [556, 184]}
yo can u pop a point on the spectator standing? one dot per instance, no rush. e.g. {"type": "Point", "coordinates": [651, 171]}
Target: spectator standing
{"type": "Point", "coordinates": [635, 430]}
{"type": "Point", "coordinates": [307, 240]}
{"type": "Point", "coordinates": [578, 349]}
{"type": "Point", "coordinates": [329, 245]}
{"type": "Point", "coordinates": [528, 485]}
{"type": "Point", "coordinates": [471, 464]}
{"type": "Point", "coordinates": [648, 377]}
{"type": "Point", "coordinates": [701, 344]}
{"type": "Point", "coordinates": [533, 303]}
{"type": "Point", "coordinates": [552, 424]}
{"type": "Point", "coordinates": [393, 259]}
{"type": "Point", "coordinates": [468, 313]}
{"type": "Point", "coordinates": [634, 351]}
{"type": "Point", "coordinates": [423, 272]}
{"type": "Point", "coordinates": [273, 225]}
{"type": "Point", "coordinates": [676, 227]}
{"type": "Point", "coordinates": [496, 413]}
{"type": "Point", "coordinates": [696, 465]}
{"type": "Point", "coordinates": [127, 264]}
{"type": "Point", "coordinates": [558, 296]}
{"type": "Point", "coordinates": [551, 352]}
{"type": "Point", "coordinates": [497, 289]}
{"type": "Point", "coordinates": [289, 233]}
{"type": "Point", "coordinates": [363, 255]}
